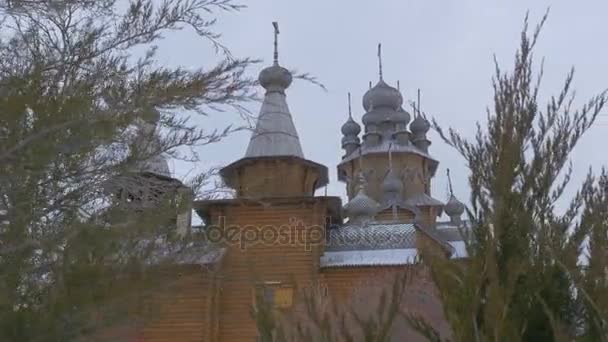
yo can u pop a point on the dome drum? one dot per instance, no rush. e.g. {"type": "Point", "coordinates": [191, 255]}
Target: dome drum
{"type": "Point", "coordinates": [350, 144]}
{"type": "Point", "coordinates": [350, 140]}
{"type": "Point", "coordinates": [379, 115]}
{"type": "Point", "coordinates": [387, 126]}
{"type": "Point", "coordinates": [371, 128]}
{"type": "Point", "coordinates": [422, 144]}
{"type": "Point", "coordinates": [371, 139]}
{"type": "Point", "coordinates": [401, 137]}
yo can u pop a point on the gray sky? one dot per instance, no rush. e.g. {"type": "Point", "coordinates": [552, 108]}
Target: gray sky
{"type": "Point", "coordinates": [445, 48]}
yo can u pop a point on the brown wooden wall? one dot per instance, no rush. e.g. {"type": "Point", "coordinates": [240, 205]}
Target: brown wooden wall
{"type": "Point", "coordinates": [281, 261]}
{"type": "Point", "coordinates": [344, 281]}
{"type": "Point", "coordinates": [275, 178]}
{"type": "Point", "coordinates": [360, 288]}
{"type": "Point", "coordinates": [182, 308]}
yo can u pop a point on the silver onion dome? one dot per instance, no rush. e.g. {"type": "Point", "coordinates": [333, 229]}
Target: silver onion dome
{"type": "Point", "coordinates": [392, 183]}
{"type": "Point", "coordinates": [275, 78]}
{"type": "Point", "coordinates": [403, 116]}
{"type": "Point", "coordinates": [420, 125]}
{"type": "Point", "coordinates": [454, 207]}
{"type": "Point", "coordinates": [361, 207]}
{"type": "Point", "coordinates": [382, 95]}
{"type": "Point", "coordinates": [351, 127]}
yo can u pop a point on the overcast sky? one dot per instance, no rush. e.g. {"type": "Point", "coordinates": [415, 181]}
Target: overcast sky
{"type": "Point", "coordinates": [445, 48]}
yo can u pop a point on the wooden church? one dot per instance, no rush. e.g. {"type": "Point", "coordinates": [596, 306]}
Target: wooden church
{"type": "Point", "coordinates": [277, 237]}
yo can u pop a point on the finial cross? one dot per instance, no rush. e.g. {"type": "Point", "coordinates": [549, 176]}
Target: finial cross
{"type": "Point", "coordinates": [350, 113]}
{"type": "Point", "coordinates": [276, 42]}
{"type": "Point", "coordinates": [418, 104]}
{"type": "Point", "coordinates": [380, 60]}
{"type": "Point", "coordinates": [450, 183]}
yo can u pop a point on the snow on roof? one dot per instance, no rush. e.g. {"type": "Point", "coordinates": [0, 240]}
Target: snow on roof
{"type": "Point", "coordinates": [377, 257]}
{"type": "Point", "coordinates": [460, 250]}
{"type": "Point", "coordinates": [372, 236]}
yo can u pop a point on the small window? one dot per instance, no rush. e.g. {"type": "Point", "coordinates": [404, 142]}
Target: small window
{"type": "Point", "coordinates": [275, 294]}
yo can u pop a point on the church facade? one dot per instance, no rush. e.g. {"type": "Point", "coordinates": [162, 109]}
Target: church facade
{"type": "Point", "coordinates": [275, 237]}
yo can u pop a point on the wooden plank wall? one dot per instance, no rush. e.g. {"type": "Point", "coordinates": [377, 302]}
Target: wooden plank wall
{"type": "Point", "coordinates": [289, 262]}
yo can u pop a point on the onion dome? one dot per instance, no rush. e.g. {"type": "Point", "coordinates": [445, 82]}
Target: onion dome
{"type": "Point", "coordinates": [361, 207]}
{"type": "Point", "coordinates": [350, 127]}
{"type": "Point", "coordinates": [381, 115]}
{"type": "Point", "coordinates": [392, 187]}
{"type": "Point", "coordinates": [403, 115]}
{"type": "Point", "coordinates": [454, 207]}
{"type": "Point", "coordinates": [392, 183]}
{"type": "Point", "coordinates": [420, 125]}
{"type": "Point", "coordinates": [275, 78]}
{"type": "Point", "coordinates": [350, 130]}
{"type": "Point", "coordinates": [382, 95]}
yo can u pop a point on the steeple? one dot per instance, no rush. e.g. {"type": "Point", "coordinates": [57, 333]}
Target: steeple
{"type": "Point", "coordinates": [148, 184]}
{"type": "Point", "coordinates": [275, 133]}
{"type": "Point", "coordinates": [274, 155]}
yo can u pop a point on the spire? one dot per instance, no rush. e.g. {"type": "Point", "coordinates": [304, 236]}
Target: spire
{"type": "Point", "coordinates": [418, 103]}
{"type": "Point", "coordinates": [350, 111]}
{"type": "Point", "coordinates": [276, 42]}
{"type": "Point", "coordinates": [274, 164]}
{"type": "Point", "coordinates": [380, 60]}
{"type": "Point", "coordinates": [450, 183]}
{"type": "Point", "coordinates": [275, 133]}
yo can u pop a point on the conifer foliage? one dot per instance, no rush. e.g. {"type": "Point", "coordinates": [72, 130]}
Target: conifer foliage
{"type": "Point", "coordinates": [76, 78]}
{"type": "Point", "coordinates": [533, 273]}
{"type": "Point", "coordinates": [524, 280]}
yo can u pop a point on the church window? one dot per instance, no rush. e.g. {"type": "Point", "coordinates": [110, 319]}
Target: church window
{"type": "Point", "coordinates": [275, 294]}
